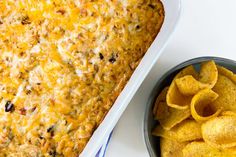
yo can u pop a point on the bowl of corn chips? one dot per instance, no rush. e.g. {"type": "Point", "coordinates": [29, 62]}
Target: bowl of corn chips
{"type": "Point", "coordinates": [191, 111]}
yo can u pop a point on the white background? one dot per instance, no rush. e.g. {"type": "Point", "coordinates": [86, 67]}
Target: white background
{"type": "Point", "coordinates": [206, 28]}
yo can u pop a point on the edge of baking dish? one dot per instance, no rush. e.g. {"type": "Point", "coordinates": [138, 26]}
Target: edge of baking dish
{"type": "Point", "coordinates": [172, 14]}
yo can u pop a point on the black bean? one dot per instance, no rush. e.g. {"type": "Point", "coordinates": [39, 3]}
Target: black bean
{"type": "Point", "coordinates": [9, 107]}
{"type": "Point", "coordinates": [112, 59]}
{"type": "Point", "coordinates": [51, 130]}
{"type": "Point", "coordinates": [101, 56]}
{"type": "Point", "coordinates": [137, 27]}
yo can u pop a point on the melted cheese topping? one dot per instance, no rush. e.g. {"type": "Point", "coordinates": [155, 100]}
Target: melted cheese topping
{"type": "Point", "coordinates": [62, 65]}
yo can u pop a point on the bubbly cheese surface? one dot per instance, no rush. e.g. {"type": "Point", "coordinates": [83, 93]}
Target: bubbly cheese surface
{"type": "Point", "coordinates": [62, 65]}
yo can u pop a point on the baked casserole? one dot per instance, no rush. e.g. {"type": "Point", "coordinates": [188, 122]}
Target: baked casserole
{"type": "Point", "coordinates": [62, 65]}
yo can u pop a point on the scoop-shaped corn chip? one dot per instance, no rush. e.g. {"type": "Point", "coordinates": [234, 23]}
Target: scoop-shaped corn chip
{"type": "Point", "coordinates": [201, 105]}
{"type": "Point", "coordinates": [202, 149]}
{"type": "Point", "coordinates": [169, 117]}
{"type": "Point", "coordinates": [188, 85]}
{"type": "Point", "coordinates": [227, 73]}
{"type": "Point", "coordinates": [231, 151]}
{"type": "Point", "coordinates": [162, 111]}
{"type": "Point", "coordinates": [175, 116]}
{"type": "Point", "coordinates": [226, 88]}
{"type": "Point", "coordinates": [161, 132]}
{"type": "Point", "coordinates": [157, 110]}
{"type": "Point", "coordinates": [187, 130]}
{"type": "Point", "coordinates": [208, 73]}
{"type": "Point", "coordinates": [171, 148]}
{"type": "Point", "coordinates": [220, 132]}
{"type": "Point", "coordinates": [189, 70]}
{"type": "Point", "coordinates": [174, 97]}
{"type": "Point", "coordinates": [228, 113]}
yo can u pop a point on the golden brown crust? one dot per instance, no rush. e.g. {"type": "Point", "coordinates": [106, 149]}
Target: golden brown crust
{"type": "Point", "coordinates": [62, 66]}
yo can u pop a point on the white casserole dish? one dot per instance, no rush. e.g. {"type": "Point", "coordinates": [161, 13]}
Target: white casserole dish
{"type": "Point", "coordinates": [172, 14]}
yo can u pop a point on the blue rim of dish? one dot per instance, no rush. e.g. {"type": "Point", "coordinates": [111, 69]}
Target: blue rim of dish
{"type": "Point", "coordinates": [102, 150]}
{"type": "Point", "coordinates": [158, 83]}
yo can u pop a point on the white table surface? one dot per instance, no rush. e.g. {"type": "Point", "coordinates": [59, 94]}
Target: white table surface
{"type": "Point", "coordinates": [206, 27]}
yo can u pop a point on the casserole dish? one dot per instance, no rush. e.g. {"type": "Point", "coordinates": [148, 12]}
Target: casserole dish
{"type": "Point", "coordinates": [63, 64]}
{"type": "Point", "coordinates": [172, 14]}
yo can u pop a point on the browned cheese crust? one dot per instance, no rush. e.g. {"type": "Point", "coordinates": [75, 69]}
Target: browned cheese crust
{"type": "Point", "coordinates": [62, 65]}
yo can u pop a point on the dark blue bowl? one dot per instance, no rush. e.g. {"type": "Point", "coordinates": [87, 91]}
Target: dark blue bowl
{"type": "Point", "coordinates": [153, 142]}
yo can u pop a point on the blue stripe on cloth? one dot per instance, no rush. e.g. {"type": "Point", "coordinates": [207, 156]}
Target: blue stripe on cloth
{"type": "Point", "coordinates": [102, 151]}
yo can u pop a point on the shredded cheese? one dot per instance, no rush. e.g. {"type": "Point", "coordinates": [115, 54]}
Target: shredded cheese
{"type": "Point", "coordinates": [62, 65]}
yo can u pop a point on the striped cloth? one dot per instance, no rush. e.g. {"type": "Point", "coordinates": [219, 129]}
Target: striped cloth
{"type": "Point", "coordinates": [102, 151]}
